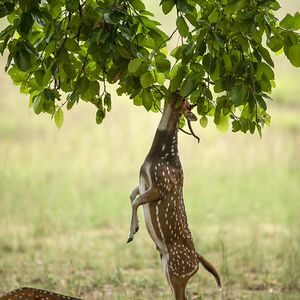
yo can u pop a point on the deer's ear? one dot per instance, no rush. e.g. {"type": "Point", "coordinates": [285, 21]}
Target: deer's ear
{"type": "Point", "coordinates": [190, 116]}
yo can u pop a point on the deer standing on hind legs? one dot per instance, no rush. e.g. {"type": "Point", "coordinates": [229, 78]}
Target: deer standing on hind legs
{"type": "Point", "coordinates": [161, 195]}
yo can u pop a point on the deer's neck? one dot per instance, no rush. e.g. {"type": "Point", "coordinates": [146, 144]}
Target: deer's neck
{"type": "Point", "coordinates": [170, 118]}
{"type": "Point", "coordinates": [165, 142]}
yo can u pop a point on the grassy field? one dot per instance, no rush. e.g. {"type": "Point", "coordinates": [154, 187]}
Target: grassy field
{"type": "Point", "coordinates": [65, 208]}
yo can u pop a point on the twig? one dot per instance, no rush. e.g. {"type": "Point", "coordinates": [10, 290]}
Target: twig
{"type": "Point", "coordinates": [192, 131]}
{"type": "Point", "coordinates": [188, 133]}
{"type": "Point", "coordinates": [169, 38]}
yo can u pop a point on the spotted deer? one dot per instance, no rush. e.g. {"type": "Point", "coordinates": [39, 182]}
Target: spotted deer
{"type": "Point", "coordinates": [161, 196]}
{"type": "Point", "coordinates": [34, 294]}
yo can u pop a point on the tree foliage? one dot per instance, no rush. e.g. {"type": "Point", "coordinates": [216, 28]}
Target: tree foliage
{"type": "Point", "coordinates": [64, 51]}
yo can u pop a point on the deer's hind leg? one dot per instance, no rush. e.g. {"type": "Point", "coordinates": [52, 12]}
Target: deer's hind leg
{"type": "Point", "coordinates": [178, 286]}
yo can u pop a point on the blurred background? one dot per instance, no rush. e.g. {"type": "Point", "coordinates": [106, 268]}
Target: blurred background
{"type": "Point", "coordinates": [65, 210]}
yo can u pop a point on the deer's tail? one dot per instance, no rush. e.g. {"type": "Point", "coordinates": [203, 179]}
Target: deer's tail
{"type": "Point", "coordinates": [211, 269]}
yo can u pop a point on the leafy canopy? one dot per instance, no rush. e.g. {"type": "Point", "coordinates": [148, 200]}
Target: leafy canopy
{"type": "Point", "coordinates": [64, 51]}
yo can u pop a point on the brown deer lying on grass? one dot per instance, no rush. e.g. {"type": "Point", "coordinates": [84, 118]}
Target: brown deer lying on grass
{"type": "Point", "coordinates": [160, 193]}
{"type": "Point", "coordinates": [34, 294]}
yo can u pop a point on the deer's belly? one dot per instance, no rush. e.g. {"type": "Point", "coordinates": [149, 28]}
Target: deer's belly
{"type": "Point", "coordinates": [152, 232]}
{"type": "Point", "coordinates": [147, 212]}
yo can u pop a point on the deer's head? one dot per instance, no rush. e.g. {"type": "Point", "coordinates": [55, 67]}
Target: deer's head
{"type": "Point", "coordinates": [186, 108]}
{"type": "Point", "coordinates": [179, 106]}
{"type": "Point", "coordinates": [176, 106]}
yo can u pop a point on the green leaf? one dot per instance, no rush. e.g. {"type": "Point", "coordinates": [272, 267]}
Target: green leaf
{"type": "Point", "coordinates": [39, 77]}
{"type": "Point", "coordinates": [187, 87]}
{"type": "Point", "coordinates": [113, 17]}
{"type": "Point", "coordinates": [26, 23]}
{"type": "Point", "coordinates": [204, 122]}
{"type": "Point", "coordinates": [176, 82]}
{"type": "Point", "coordinates": [137, 4]}
{"type": "Point", "coordinates": [162, 64]}
{"type": "Point", "coordinates": [294, 55]}
{"type": "Point", "coordinates": [72, 5]}
{"type": "Point", "coordinates": [167, 6]}
{"type": "Point", "coordinates": [192, 18]}
{"type": "Point", "coordinates": [71, 45]}
{"type": "Point", "coordinates": [72, 99]}
{"type": "Point", "coordinates": [123, 52]}
{"type": "Point", "coordinates": [261, 102]}
{"type": "Point", "coordinates": [214, 16]}
{"type": "Point", "coordinates": [236, 5]}
{"type": "Point", "coordinates": [266, 56]}
{"type": "Point", "coordinates": [158, 39]}
{"type": "Point", "coordinates": [265, 83]}
{"type": "Point", "coordinates": [238, 95]}
{"type": "Point", "coordinates": [47, 77]}
{"type": "Point", "coordinates": [223, 124]}
{"type": "Point", "coordinates": [236, 126]}
{"type": "Point", "coordinates": [149, 23]}
{"type": "Point", "coordinates": [134, 65]}
{"type": "Point", "coordinates": [209, 63]}
{"type": "Point", "coordinates": [227, 62]}
{"type": "Point", "coordinates": [100, 115]}
{"type": "Point", "coordinates": [7, 32]}
{"type": "Point", "coordinates": [17, 75]}
{"type": "Point", "coordinates": [92, 91]}
{"type": "Point", "coordinates": [138, 101]}
{"type": "Point", "coordinates": [159, 77]}
{"type": "Point", "coordinates": [182, 26]}
{"type": "Point", "coordinates": [6, 9]}
{"type": "Point", "coordinates": [69, 69]}
{"type": "Point", "coordinates": [37, 16]}
{"type": "Point", "coordinates": [259, 130]}
{"type": "Point", "coordinates": [197, 68]}
{"type": "Point", "coordinates": [243, 41]}
{"type": "Point", "coordinates": [275, 43]}
{"type": "Point", "coordinates": [182, 6]}
{"type": "Point", "coordinates": [23, 59]}
{"type": "Point", "coordinates": [147, 99]}
{"type": "Point", "coordinates": [145, 41]}
{"type": "Point", "coordinates": [146, 80]}
{"type": "Point", "coordinates": [38, 104]}
{"type": "Point", "coordinates": [83, 85]}
{"type": "Point", "coordinates": [107, 101]}
{"type": "Point", "coordinates": [297, 21]}
{"type": "Point", "coordinates": [291, 22]}
{"type": "Point", "coordinates": [49, 49]}
{"type": "Point", "coordinates": [126, 32]}
{"type": "Point", "coordinates": [59, 118]}
{"type": "Point", "coordinates": [263, 68]}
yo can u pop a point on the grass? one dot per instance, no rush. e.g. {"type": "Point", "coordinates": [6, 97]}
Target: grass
{"type": "Point", "coordinates": [65, 210]}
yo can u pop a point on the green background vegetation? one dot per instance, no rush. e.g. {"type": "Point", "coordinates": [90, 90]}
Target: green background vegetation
{"type": "Point", "coordinates": [65, 208]}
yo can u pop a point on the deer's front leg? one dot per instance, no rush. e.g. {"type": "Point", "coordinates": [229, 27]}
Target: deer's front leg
{"type": "Point", "coordinates": [149, 196]}
{"type": "Point", "coordinates": [134, 193]}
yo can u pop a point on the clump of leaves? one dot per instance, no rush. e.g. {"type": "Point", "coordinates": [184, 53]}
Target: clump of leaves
{"type": "Point", "coordinates": [64, 51]}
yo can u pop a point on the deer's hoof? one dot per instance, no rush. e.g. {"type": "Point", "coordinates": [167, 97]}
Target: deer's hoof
{"type": "Point", "coordinates": [130, 239]}
{"type": "Point", "coordinates": [137, 229]}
